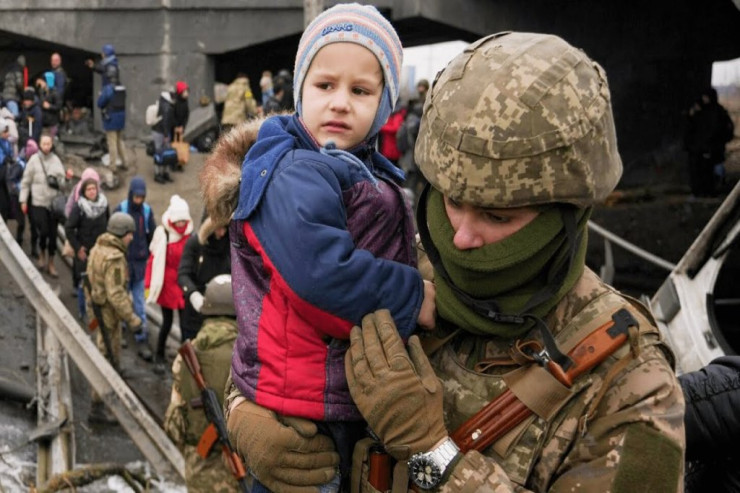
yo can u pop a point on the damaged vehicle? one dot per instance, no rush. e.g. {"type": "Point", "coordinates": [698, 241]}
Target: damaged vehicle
{"type": "Point", "coordinates": [698, 306]}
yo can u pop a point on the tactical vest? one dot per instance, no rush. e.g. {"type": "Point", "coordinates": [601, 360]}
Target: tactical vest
{"type": "Point", "coordinates": [213, 347]}
{"type": "Point", "coordinates": [517, 451]}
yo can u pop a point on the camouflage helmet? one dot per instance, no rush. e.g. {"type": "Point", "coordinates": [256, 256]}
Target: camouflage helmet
{"type": "Point", "coordinates": [218, 299]}
{"type": "Point", "coordinates": [120, 224]}
{"type": "Point", "coordinates": [520, 119]}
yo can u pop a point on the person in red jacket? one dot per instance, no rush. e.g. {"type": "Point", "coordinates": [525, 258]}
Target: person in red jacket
{"type": "Point", "coordinates": [388, 131]}
{"type": "Point", "coordinates": [165, 250]}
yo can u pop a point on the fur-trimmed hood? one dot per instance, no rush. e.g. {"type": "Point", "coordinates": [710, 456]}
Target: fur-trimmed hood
{"type": "Point", "coordinates": [208, 228]}
{"type": "Point", "coordinates": [221, 173]}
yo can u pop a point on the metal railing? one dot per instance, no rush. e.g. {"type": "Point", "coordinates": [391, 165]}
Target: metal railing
{"type": "Point", "coordinates": [607, 270]}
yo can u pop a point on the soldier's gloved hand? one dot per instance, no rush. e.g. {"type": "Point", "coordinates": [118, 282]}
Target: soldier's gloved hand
{"type": "Point", "coordinates": [396, 391]}
{"type": "Point", "coordinates": [285, 454]}
{"type": "Point", "coordinates": [196, 299]}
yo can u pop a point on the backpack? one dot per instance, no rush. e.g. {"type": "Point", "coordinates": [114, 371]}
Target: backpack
{"type": "Point", "coordinates": [118, 101]}
{"type": "Point", "coordinates": [152, 115]}
{"type": "Point", "coordinates": [147, 213]}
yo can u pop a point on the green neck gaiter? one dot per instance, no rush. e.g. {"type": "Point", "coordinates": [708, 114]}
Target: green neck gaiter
{"type": "Point", "coordinates": [510, 272]}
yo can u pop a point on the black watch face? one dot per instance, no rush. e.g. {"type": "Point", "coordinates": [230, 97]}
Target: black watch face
{"type": "Point", "coordinates": [425, 473]}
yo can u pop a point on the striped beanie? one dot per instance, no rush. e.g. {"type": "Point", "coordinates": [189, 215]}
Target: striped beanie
{"type": "Point", "coordinates": [353, 23]}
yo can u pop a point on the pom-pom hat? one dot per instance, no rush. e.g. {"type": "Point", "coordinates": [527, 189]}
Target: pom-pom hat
{"type": "Point", "coordinates": [363, 25]}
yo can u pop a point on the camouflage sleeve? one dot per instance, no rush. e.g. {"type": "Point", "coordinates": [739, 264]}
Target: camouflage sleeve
{"type": "Point", "coordinates": [116, 294]}
{"type": "Point", "coordinates": [174, 417]}
{"type": "Point", "coordinates": [634, 442]}
{"type": "Point", "coordinates": [474, 472]}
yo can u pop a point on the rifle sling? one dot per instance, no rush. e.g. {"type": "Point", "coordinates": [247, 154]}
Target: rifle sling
{"type": "Point", "coordinates": [537, 390]}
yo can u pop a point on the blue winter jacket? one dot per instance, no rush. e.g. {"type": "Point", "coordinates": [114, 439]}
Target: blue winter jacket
{"type": "Point", "coordinates": [137, 253]}
{"type": "Point", "coordinates": [317, 243]}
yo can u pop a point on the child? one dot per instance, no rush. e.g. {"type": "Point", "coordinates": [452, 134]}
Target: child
{"type": "Point", "coordinates": [161, 269]}
{"type": "Point", "coordinates": [322, 234]}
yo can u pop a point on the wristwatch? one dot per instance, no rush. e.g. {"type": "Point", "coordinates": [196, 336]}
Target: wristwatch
{"type": "Point", "coordinates": [427, 469]}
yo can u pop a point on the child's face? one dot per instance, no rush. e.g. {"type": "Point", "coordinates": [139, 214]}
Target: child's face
{"type": "Point", "coordinates": [341, 94]}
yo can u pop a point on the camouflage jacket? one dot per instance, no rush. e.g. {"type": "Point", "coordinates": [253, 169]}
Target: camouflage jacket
{"type": "Point", "coordinates": [108, 273]}
{"type": "Point", "coordinates": [211, 474]}
{"type": "Point", "coordinates": [633, 441]}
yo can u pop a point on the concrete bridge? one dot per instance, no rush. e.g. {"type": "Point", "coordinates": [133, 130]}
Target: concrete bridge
{"type": "Point", "coordinates": [658, 54]}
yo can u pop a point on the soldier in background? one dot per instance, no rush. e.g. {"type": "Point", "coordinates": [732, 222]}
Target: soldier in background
{"type": "Point", "coordinates": [518, 144]}
{"type": "Point", "coordinates": [184, 424]}
{"type": "Point", "coordinates": [107, 273]}
{"type": "Point", "coordinates": [240, 104]}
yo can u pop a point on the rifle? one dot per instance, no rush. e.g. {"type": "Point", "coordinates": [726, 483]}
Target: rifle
{"type": "Point", "coordinates": [216, 431]}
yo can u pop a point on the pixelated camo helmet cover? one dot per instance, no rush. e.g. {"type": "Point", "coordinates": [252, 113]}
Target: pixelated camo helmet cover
{"type": "Point", "coordinates": [520, 119]}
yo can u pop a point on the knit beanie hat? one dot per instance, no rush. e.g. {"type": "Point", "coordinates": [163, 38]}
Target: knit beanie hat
{"type": "Point", "coordinates": [181, 87]}
{"type": "Point", "coordinates": [363, 25]}
{"type": "Point", "coordinates": [29, 94]}
{"type": "Point", "coordinates": [178, 209]}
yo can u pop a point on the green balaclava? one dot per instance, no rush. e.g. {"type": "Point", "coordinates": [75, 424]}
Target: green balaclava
{"type": "Point", "coordinates": [526, 273]}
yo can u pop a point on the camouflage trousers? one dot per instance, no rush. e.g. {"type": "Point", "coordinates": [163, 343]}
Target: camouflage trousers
{"type": "Point", "coordinates": [113, 327]}
{"type": "Point", "coordinates": [210, 475]}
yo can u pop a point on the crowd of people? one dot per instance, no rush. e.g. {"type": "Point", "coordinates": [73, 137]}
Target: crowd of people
{"type": "Point", "coordinates": [387, 335]}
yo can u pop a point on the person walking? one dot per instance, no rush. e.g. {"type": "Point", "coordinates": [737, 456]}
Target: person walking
{"type": "Point", "coordinates": [107, 66]}
{"type": "Point", "coordinates": [112, 104]}
{"type": "Point", "coordinates": [166, 250]}
{"type": "Point", "coordinates": [50, 102]}
{"type": "Point", "coordinates": [162, 133]}
{"type": "Point", "coordinates": [87, 219]}
{"type": "Point", "coordinates": [709, 129]}
{"type": "Point", "coordinates": [240, 104]}
{"type": "Point", "coordinates": [106, 289]}
{"type": "Point", "coordinates": [30, 119]}
{"type": "Point", "coordinates": [205, 256]}
{"type": "Point", "coordinates": [185, 424]}
{"type": "Point", "coordinates": [44, 178]}
{"type": "Point", "coordinates": [7, 160]}
{"type": "Point", "coordinates": [60, 75]}
{"type": "Point", "coordinates": [14, 83]}
{"type": "Point", "coordinates": [137, 255]}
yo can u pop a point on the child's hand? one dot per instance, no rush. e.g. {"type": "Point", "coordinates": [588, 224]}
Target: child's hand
{"type": "Point", "coordinates": [428, 313]}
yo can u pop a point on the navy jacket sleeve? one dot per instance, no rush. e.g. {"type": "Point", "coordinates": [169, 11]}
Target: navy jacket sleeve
{"type": "Point", "coordinates": [301, 224]}
{"type": "Point", "coordinates": [71, 226]}
{"type": "Point", "coordinates": [712, 419]}
{"type": "Point", "coordinates": [188, 269]}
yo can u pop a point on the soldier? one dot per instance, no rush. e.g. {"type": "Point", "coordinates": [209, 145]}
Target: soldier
{"type": "Point", "coordinates": [185, 425]}
{"type": "Point", "coordinates": [518, 144]}
{"type": "Point", "coordinates": [107, 278]}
